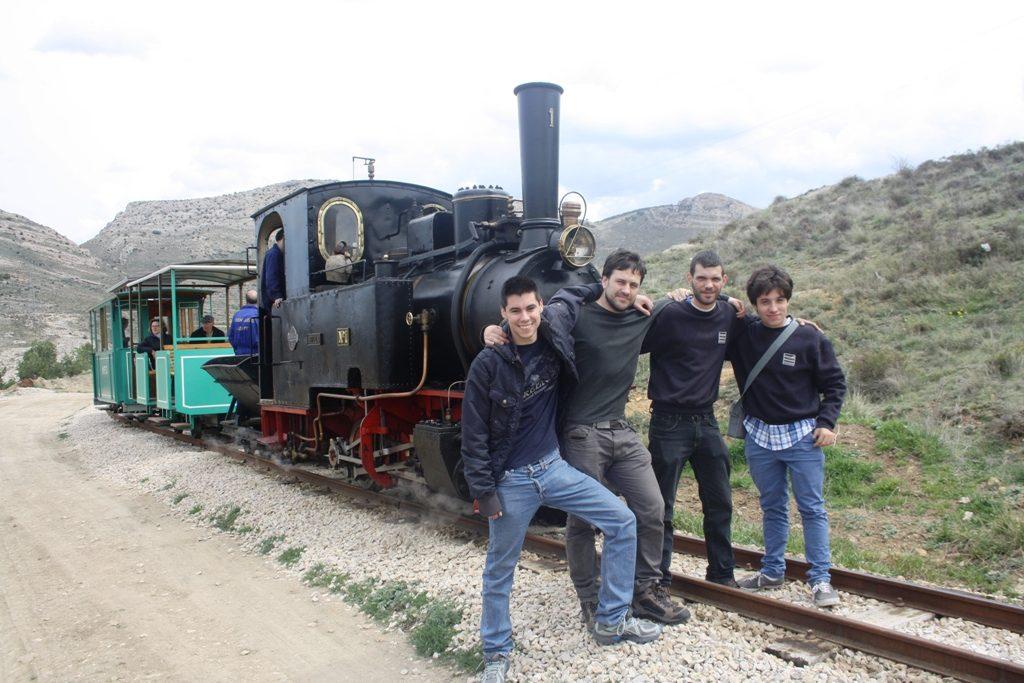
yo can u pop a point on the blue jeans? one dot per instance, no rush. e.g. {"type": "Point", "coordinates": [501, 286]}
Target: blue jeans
{"type": "Point", "coordinates": [805, 465]}
{"type": "Point", "coordinates": [553, 482]}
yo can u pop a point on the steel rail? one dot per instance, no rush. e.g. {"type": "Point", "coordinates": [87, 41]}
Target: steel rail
{"type": "Point", "coordinates": [922, 653]}
{"type": "Point", "coordinates": [944, 601]}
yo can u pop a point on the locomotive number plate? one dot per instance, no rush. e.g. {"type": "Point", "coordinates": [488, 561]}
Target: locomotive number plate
{"type": "Point", "coordinates": [314, 339]}
{"type": "Point", "coordinates": [344, 336]}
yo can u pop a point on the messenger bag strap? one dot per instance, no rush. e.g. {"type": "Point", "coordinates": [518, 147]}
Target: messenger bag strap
{"type": "Point", "coordinates": [763, 361]}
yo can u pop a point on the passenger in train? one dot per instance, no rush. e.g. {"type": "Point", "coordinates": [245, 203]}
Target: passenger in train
{"type": "Point", "coordinates": [244, 332]}
{"type": "Point", "coordinates": [272, 278]}
{"type": "Point", "coordinates": [513, 466]}
{"type": "Point", "coordinates": [206, 331]}
{"type": "Point", "coordinates": [339, 266]}
{"type": "Point", "coordinates": [155, 341]}
{"type": "Point", "coordinates": [792, 390]}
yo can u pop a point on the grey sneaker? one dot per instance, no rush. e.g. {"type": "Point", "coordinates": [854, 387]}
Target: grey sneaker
{"type": "Point", "coordinates": [629, 629]}
{"type": "Point", "coordinates": [588, 610]}
{"type": "Point", "coordinates": [760, 582]}
{"type": "Point", "coordinates": [495, 670]}
{"type": "Point", "coordinates": [824, 595]}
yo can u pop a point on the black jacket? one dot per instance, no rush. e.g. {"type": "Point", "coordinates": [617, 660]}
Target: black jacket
{"type": "Point", "coordinates": [491, 408]}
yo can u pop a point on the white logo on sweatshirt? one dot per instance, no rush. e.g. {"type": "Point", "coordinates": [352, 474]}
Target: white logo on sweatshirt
{"type": "Point", "coordinates": [722, 336]}
{"type": "Point", "coordinates": [789, 359]}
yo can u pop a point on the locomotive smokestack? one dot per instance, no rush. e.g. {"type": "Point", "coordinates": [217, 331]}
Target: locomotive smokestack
{"type": "Point", "coordinates": [538, 150]}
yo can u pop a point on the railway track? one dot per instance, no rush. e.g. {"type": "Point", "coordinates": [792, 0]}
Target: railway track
{"type": "Point", "coordinates": [858, 635]}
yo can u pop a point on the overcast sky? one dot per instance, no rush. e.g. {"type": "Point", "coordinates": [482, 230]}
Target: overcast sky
{"type": "Point", "coordinates": [102, 103]}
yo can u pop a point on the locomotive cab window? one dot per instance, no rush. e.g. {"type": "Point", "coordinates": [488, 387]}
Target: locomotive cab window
{"type": "Point", "coordinates": [340, 220]}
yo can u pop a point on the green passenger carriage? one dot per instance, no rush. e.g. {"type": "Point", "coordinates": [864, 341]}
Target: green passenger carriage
{"type": "Point", "coordinates": [170, 385]}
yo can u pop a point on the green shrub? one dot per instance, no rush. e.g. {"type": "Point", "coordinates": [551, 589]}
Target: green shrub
{"type": "Point", "coordinates": [78, 361]}
{"type": "Point", "coordinates": [874, 373]}
{"type": "Point", "coordinates": [5, 383]}
{"type": "Point", "coordinates": [40, 360]}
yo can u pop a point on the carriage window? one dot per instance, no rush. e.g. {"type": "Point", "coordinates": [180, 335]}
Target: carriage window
{"type": "Point", "coordinates": [104, 330]}
{"type": "Point", "coordinates": [340, 221]}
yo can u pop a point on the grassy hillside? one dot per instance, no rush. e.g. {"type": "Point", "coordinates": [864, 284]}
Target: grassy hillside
{"type": "Point", "coordinates": [916, 277]}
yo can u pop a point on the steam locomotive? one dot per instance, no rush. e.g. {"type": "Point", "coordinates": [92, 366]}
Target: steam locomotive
{"type": "Point", "coordinates": [367, 372]}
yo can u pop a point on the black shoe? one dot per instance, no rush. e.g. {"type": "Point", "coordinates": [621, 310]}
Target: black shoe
{"type": "Point", "coordinates": [730, 582]}
{"type": "Point", "coordinates": [654, 604]}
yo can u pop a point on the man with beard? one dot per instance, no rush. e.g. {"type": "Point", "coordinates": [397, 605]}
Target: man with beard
{"type": "Point", "coordinates": [597, 440]}
{"type": "Point", "coordinates": [687, 343]}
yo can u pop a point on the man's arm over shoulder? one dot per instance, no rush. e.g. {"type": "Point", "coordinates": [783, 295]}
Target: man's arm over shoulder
{"type": "Point", "coordinates": [666, 314]}
{"type": "Point", "coordinates": [476, 419]}
{"type": "Point", "coordinates": [830, 382]}
{"type": "Point", "coordinates": [566, 303]}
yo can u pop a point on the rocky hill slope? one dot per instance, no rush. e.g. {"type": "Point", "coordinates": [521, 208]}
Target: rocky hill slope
{"type": "Point", "coordinates": [46, 283]}
{"type": "Point", "coordinates": [656, 228]}
{"type": "Point", "coordinates": [149, 234]}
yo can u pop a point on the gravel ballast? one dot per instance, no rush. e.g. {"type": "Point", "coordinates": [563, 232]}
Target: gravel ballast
{"type": "Point", "coordinates": [375, 542]}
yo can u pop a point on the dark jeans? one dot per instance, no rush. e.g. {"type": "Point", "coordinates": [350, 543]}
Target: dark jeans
{"type": "Point", "coordinates": [676, 439]}
{"type": "Point", "coordinates": [617, 458]}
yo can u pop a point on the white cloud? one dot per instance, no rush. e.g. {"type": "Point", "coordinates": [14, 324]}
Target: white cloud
{"type": "Point", "coordinates": [105, 103]}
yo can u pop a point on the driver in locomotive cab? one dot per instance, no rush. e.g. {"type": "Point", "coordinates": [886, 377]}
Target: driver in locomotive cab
{"type": "Point", "coordinates": [513, 466]}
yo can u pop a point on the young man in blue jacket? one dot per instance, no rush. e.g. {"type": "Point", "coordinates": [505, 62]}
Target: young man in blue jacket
{"type": "Point", "coordinates": [513, 466]}
{"type": "Point", "coordinates": [790, 409]}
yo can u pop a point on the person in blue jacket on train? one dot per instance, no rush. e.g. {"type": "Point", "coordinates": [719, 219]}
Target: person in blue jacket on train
{"type": "Point", "coordinates": [244, 332]}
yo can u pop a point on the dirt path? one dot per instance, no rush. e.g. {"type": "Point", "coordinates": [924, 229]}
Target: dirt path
{"type": "Point", "coordinates": [99, 583]}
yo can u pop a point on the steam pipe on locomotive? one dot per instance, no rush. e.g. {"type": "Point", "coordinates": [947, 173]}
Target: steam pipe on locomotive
{"type": "Point", "coordinates": [359, 349]}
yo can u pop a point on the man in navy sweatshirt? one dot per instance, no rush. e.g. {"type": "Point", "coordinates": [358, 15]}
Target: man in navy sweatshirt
{"type": "Point", "coordinates": [688, 343]}
{"type": "Point", "coordinates": [790, 409]}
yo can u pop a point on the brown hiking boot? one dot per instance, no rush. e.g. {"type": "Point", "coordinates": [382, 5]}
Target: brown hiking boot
{"type": "Point", "coordinates": [654, 603]}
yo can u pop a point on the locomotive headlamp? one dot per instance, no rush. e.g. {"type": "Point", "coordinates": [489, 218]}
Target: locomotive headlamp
{"type": "Point", "coordinates": [577, 246]}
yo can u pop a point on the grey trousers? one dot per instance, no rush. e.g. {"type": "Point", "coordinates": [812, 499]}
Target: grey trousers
{"type": "Point", "coordinates": [617, 459]}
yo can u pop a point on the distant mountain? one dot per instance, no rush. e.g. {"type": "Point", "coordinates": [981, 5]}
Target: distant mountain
{"type": "Point", "coordinates": [47, 282]}
{"type": "Point", "coordinates": [149, 234]}
{"type": "Point", "coordinates": [656, 228]}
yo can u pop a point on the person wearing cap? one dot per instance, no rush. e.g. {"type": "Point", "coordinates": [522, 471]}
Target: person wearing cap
{"type": "Point", "coordinates": [338, 267]}
{"type": "Point", "coordinates": [206, 332]}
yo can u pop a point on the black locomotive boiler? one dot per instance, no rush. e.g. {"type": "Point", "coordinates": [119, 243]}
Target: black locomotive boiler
{"type": "Point", "coordinates": [366, 358]}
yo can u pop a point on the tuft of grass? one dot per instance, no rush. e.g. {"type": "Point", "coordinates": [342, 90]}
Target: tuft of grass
{"type": "Point", "coordinates": [320, 576]}
{"type": "Point", "coordinates": [357, 593]}
{"type": "Point", "coordinates": [291, 556]}
{"type": "Point", "coordinates": [169, 485]}
{"type": "Point", "coordinates": [393, 598]}
{"type": "Point", "coordinates": [62, 436]}
{"type": "Point", "coordinates": [269, 543]}
{"type": "Point", "coordinates": [245, 529]}
{"type": "Point", "coordinates": [436, 629]}
{"type": "Point", "coordinates": [178, 498]}
{"type": "Point", "coordinates": [225, 516]}
{"type": "Point", "coordinates": [196, 509]}
{"type": "Point", "coordinates": [848, 477]}
{"type": "Point", "coordinates": [143, 480]}
{"type": "Point", "coordinates": [904, 441]}
{"type": "Point", "coordinates": [469, 660]}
